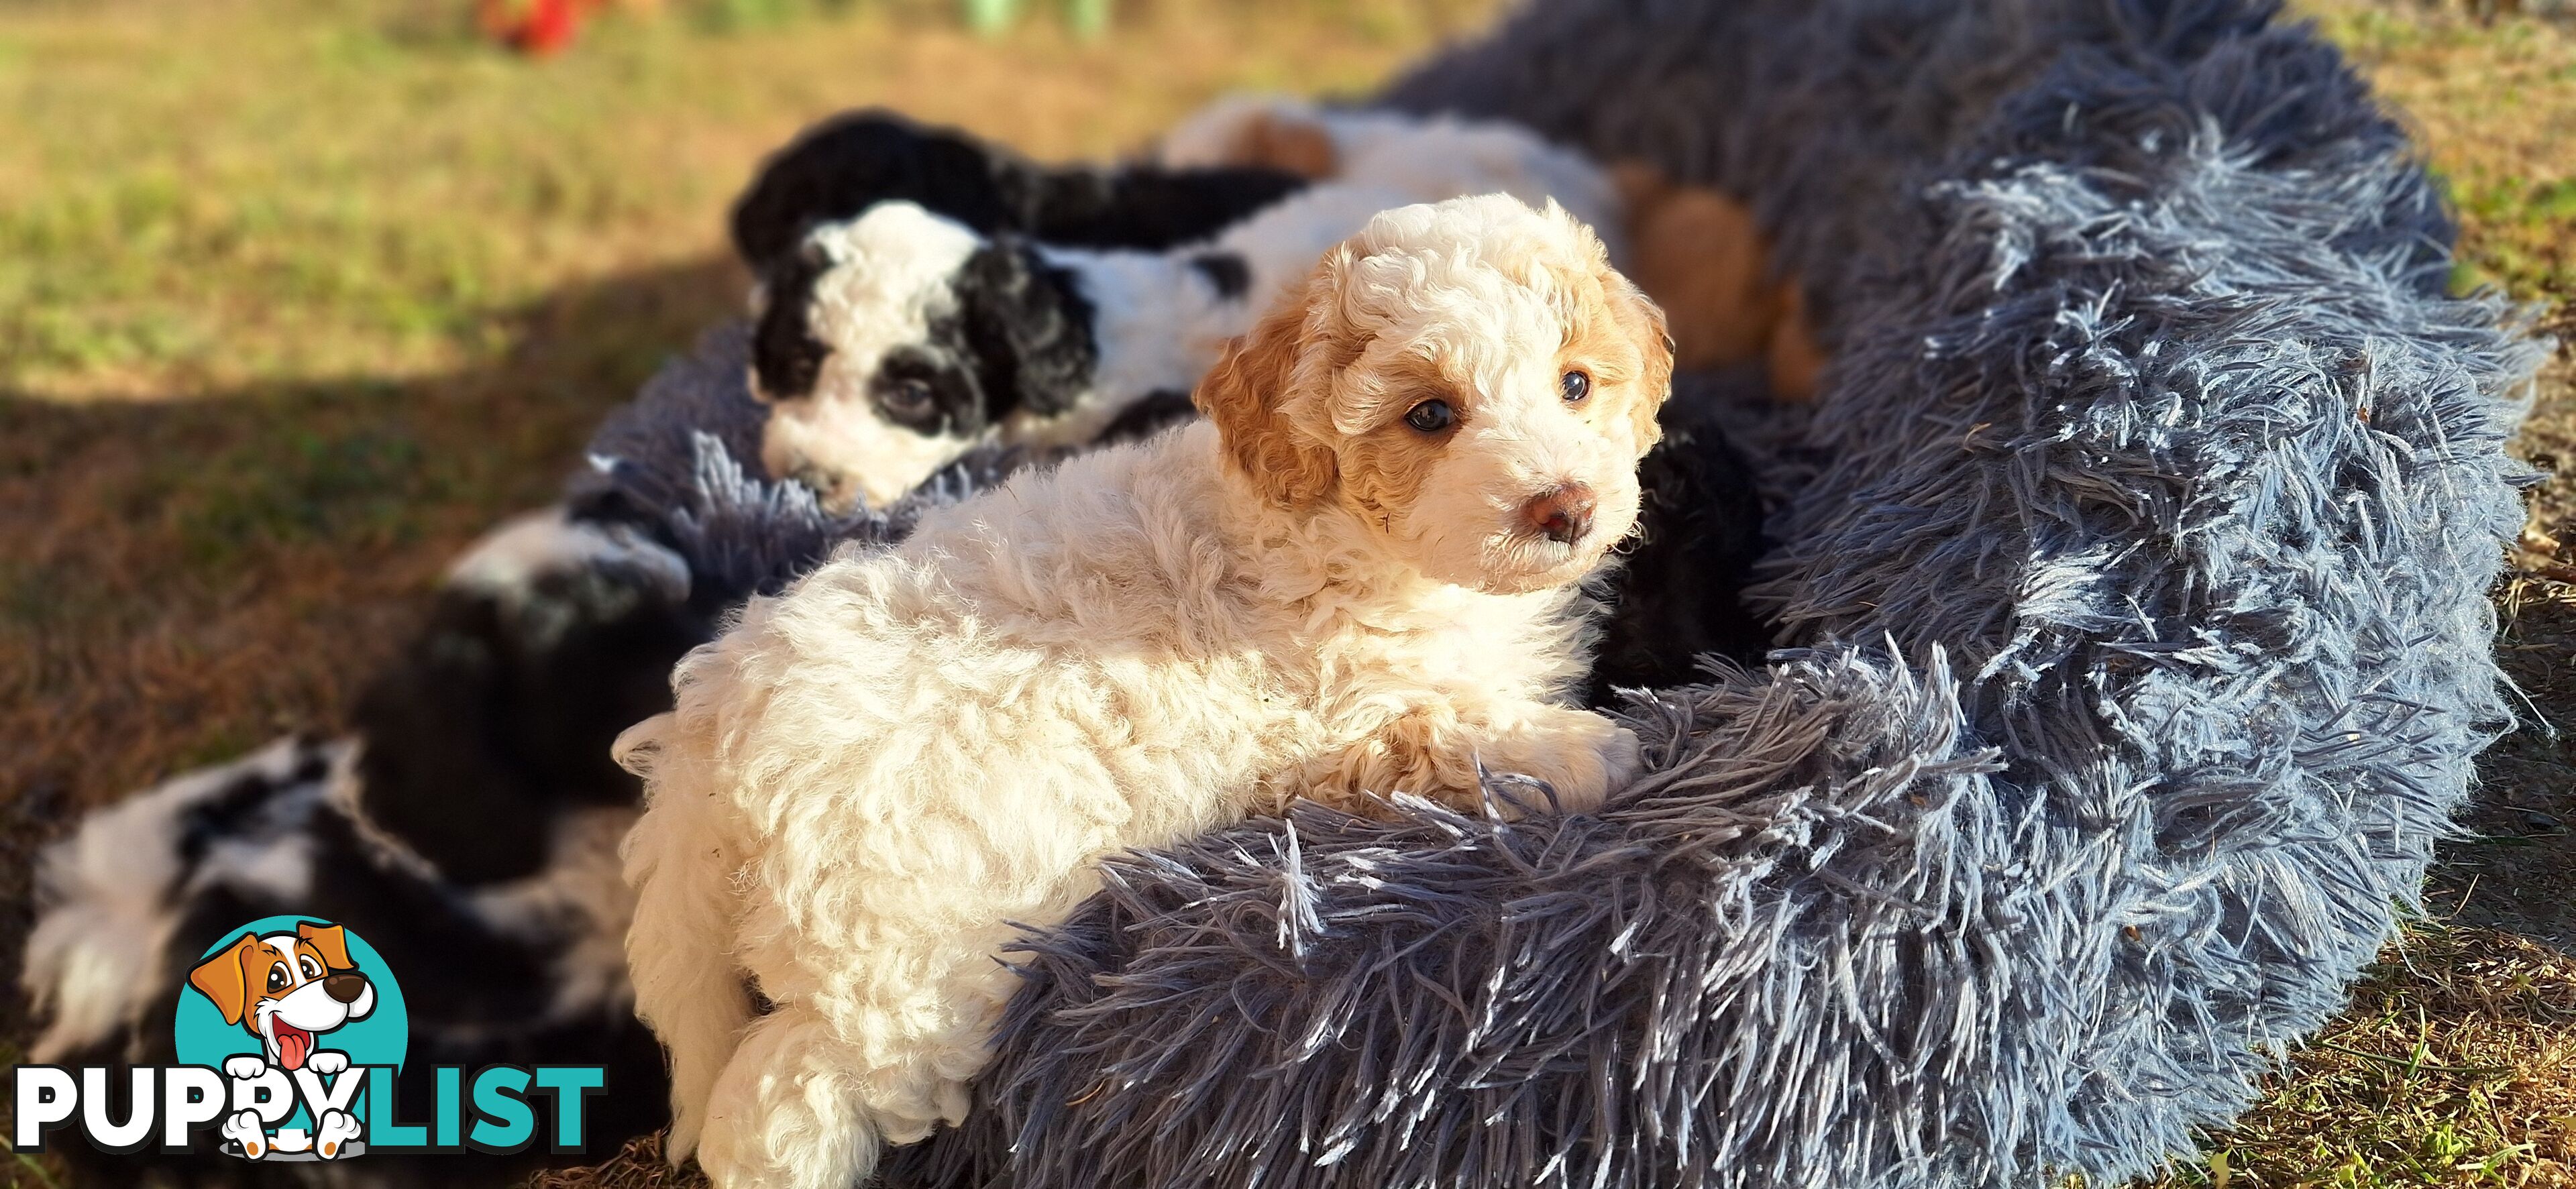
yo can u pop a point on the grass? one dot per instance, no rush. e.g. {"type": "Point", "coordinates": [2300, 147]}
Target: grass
{"type": "Point", "coordinates": [2495, 102]}
{"type": "Point", "coordinates": [271, 351]}
{"type": "Point", "coordinates": [189, 224]}
{"type": "Point", "coordinates": [2455, 1065]}
{"type": "Point", "coordinates": [295, 299]}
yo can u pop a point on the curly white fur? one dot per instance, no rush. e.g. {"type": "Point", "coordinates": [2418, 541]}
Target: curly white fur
{"type": "Point", "coordinates": [876, 777]}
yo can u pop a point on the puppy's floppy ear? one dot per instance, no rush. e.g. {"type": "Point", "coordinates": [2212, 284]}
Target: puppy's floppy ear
{"type": "Point", "coordinates": [221, 978]}
{"type": "Point", "coordinates": [1244, 392]}
{"type": "Point", "coordinates": [1643, 323]}
{"type": "Point", "coordinates": [786, 358]}
{"type": "Point", "coordinates": [331, 940]}
{"type": "Point", "coordinates": [1029, 328]}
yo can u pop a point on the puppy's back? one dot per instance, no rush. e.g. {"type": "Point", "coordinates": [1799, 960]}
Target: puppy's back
{"type": "Point", "coordinates": [1114, 551]}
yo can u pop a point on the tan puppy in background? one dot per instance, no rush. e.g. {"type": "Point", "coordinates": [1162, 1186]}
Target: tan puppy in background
{"type": "Point", "coordinates": [1702, 256]}
{"type": "Point", "coordinates": [1698, 252]}
{"type": "Point", "coordinates": [1357, 575]}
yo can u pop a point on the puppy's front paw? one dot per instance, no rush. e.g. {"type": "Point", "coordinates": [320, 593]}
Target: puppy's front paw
{"type": "Point", "coordinates": [1624, 758]}
{"type": "Point", "coordinates": [327, 1062]}
{"type": "Point", "coordinates": [1581, 755]}
{"type": "Point", "coordinates": [1614, 756]}
{"type": "Point", "coordinates": [783, 1149]}
{"type": "Point", "coordinates": [244, 1068]}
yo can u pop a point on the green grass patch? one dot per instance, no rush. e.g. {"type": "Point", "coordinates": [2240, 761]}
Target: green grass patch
{"type": "Point", "coordinates": [214, 193]}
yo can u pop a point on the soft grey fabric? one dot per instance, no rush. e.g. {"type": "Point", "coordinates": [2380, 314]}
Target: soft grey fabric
{"type": "Point", "coordinates": [2133, 560]}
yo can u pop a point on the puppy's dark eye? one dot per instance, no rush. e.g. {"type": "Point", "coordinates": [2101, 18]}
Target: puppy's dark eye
{"type": "Point", "coordinates": [1575, 386]}
{"type": "Point", "coordinates": [311, 968]}
{"type": "Point", "coordinates": [277, 979]}
{"type": "Point", "coordinates": [908, 398]}
{"type": "Point", "coordinates": [1431, 416]}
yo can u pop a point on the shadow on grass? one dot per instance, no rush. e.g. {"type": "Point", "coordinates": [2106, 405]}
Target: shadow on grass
{"type": "Point", "coordinates": [185, 579]}
{"type": "Point", "coordinates": [2517, 870]}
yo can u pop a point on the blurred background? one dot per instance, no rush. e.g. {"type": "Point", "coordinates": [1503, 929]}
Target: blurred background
{"type": "Point", "coordinates": [299, 296]}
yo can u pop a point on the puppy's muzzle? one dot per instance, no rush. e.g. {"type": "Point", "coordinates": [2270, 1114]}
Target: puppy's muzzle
{"type": "Point", "coordinates": [1562, 514]}
{"type": "Point", "coordinates": [345, 987]}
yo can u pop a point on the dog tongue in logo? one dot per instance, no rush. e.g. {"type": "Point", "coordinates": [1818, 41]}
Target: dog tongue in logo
{"type": "Point", "coordinates": [293, 1045]}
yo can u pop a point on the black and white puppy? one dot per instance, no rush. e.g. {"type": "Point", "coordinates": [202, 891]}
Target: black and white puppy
{"type": "Point", "coordinates": [128, 903]}
{"type": "Point", "coordinates": [842, 166]}
{"type": "Point", "coordinates": [474, 807]}
{"type": "Point", "coordinates": [898, 340]}
{"type": "Point", "coordinates": [901, 339]}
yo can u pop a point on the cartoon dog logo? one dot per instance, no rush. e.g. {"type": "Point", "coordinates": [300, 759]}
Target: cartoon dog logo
{"type": "Point", "coordinates": [289, 990]}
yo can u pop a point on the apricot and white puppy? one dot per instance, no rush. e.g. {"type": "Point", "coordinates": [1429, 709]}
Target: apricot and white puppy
{"type": "Point", "coordinates": [1356, 576]}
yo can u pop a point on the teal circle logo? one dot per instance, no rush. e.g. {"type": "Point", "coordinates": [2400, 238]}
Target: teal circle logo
{"type": "Point", "coordinates": [291, 999]}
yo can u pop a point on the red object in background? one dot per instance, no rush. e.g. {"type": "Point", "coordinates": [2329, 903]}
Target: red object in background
{"type": "Point", "coordinates": [543, 27]}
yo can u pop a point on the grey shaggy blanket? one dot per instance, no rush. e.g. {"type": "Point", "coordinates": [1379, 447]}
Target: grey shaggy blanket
{"type": "Point", "coordinates": [2131, 565]}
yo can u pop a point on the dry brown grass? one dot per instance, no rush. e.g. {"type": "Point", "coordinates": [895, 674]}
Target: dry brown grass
{"type": "Point", "coordinates": [639, 1165]}
{"type": "Point", "coordinates": [210, 194]}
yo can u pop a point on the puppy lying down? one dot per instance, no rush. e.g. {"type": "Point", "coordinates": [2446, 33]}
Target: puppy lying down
{"type": "Point", "coordinates": [1357, 576]}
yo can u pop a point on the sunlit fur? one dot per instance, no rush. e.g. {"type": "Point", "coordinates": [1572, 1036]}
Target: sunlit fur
{"type": "Point", "coordinates": [1432, 155]}
{"type": "Point", "coordinates": [877, 776]}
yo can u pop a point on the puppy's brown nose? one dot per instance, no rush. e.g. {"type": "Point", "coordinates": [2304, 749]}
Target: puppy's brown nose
{"type": "Point", "coordinates": [1562, 514]}
{"type": "Point", "coordinates": [345, 987]}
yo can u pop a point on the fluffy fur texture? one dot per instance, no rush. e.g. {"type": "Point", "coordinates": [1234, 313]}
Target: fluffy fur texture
{"type": "Point", "coordinates": [469, 813]}
{"type": "Point", "coordinates": [842, 166]}
{"type": "Point", "coordinates": [2136, 545]}
{"type": "Point", "coordinates": [465, 814]}
{"type": "Point", "coordinates": [891, 342]}
{"type": "Point", "coordinates": [1328, 591]}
